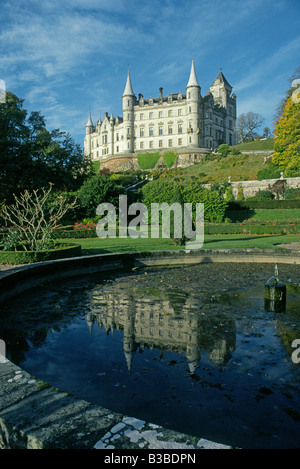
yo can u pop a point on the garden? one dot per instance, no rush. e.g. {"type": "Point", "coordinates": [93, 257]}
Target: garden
{"type": "Point", "coordinates": [44, 225]}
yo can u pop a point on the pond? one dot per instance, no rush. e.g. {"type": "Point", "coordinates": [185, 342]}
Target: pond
{"type": "Point", "coordinates": [191, 348]}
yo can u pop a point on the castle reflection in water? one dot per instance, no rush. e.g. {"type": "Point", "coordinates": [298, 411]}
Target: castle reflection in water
{"type": "Point", "coordinates": [161, 321]}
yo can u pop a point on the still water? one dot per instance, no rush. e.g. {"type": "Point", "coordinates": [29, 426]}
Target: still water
{"type": "Point", "coordinates": [190, 348]}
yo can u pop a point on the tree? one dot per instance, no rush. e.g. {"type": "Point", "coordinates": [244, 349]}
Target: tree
{"type": "Point", "coordinates": [267, 132]}
{"type": "Point", "coordinates": [33, 220]}
{"type": "Point", "coordinates": [287, 142]}
{"type": "Point", "coordinates": [96, 190]}
{"type": "Point", "coordinates": [31, 156]}
{"type": "Point", "coordinates": [289, 92]}
{"type": "Point", "coordinates": [247, 124]}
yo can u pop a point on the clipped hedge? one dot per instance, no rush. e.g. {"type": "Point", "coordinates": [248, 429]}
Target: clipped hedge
{"type": "Point", "coordinates": [28, 257]}
{"type": "Point", "coordinates": [266, 204]}
{"type": "Point", "coordinates": [75, 234]}
{"type": "Point", "coordinates": [148, 160]}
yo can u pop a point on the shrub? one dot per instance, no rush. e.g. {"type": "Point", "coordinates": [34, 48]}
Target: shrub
{"type": "Point", "coordinates": [96, 190]}
{"type": "Point", "coordinates": [271, 171]}
{"type": "Point", "coordinates": [235, 151]}
{"type": "Point", "coordinates": [160, 191]}
{"type": "Point", "coordinates": [262, 195]}
{"type": "Point", "coordinates": [33, 220]}
{"type": "Point", "coordinates": [27, 257]}
{"type": "Point", "coordinates": [291, 194]}
{"type": "Point", "coordinates": [223, 150]}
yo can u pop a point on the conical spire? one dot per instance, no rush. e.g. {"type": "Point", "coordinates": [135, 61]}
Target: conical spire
{"type": "Point", "coordinates": [128, 88]}
{"type": "Point", "coordinates": [89, 122]}
{"type": "Point", "coordinates": [193, 79]}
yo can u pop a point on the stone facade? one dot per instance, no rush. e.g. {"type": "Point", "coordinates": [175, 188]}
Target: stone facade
{"type": "Point", "coordinates": [180, 122]}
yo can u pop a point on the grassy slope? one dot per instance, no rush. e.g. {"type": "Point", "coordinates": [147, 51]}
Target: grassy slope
{"type": "Point", "coordinates": [238, 167]}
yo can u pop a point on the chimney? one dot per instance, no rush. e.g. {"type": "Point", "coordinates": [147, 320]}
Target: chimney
{"type": "Point", "coordinates": [160, 93]}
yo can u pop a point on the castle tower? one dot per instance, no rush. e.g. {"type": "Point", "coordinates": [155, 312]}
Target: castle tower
{"type": "Point", "coordinates": [89, 129]}
{"type": "Point", "coordinates": [221, 90]}
{"type": "Point", "coordinates": [193, 95]}
{"type": "Point", "coordinates": [128, 102]}
{"type": "Point", "coordinates": [222, 94]}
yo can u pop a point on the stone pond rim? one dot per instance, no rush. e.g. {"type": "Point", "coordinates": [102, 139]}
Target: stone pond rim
{"type": "Point", "coordinates": [19, 279]}
{"type": "Point", "coordinates": [16, 433]}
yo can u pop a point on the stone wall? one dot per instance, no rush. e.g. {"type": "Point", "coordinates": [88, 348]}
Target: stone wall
{"type": "Point", "coordinates": [129, 162]}
{"type": "Point", "coordinates": [276, 186]}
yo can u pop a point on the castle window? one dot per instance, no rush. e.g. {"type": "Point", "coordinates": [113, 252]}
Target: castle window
{"type": "Point", "coordinates": [179, 128]}
{"type": "Point", "coordinates": [151, 144]}
{"type": "Point", "coordinates": [160, 130]}
{"type": "Point", "coordinates": [141, 117]}
{"type": "Point", "coordinates": [142, 132]}
{"type": "Point", "coordinates": [150, 115]}
{"type": "Point", "coordinates": [170, 130]}
{"type": "Point", "coordinates": [160, 143]}
{"type": "Point", "coordinates": [151, 132]}
{"type": "Point", "coordinates": [180, 112]}
{"type": "Point", "coordinates": [117, 137]}
{"type": "Point", "coordinates": [170, 142]}
{"type": "Point", "coordinates": [141, 145]}
{"type": "Point", "coordinates": [170, 113]}
{"type": "Point", "coordinates": [180, 141]}
{"type": "Point", "coordinates": [117, 149]}
{"type": "Point", "coordinates": [160, 114]}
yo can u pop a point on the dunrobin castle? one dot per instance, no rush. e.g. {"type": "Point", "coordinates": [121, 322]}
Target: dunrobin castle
{"type": "Point", "coordinates": [186, 123]}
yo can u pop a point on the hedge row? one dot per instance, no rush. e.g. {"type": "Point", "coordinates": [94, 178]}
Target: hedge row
{"type": "Point", "coordinates": [209, 229]}
{"type": "Point", "coordinates": [28, 257]}
{"type": "Point", "coordinates": [75, 234]}
{"type": "Point", "coordinates": [266, 204]}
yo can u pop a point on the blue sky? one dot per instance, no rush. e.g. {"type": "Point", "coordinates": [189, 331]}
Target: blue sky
{"type": "Point", "coordinates": [68, 56]}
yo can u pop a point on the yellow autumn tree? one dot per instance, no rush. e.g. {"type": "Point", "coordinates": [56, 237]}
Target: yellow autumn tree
{"type": "Point", "coordinates": [287, 133]}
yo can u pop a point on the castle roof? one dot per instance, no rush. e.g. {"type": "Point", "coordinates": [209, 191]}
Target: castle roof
{"type": "Point", "coordinates": [89, 122]}
{"type": "Point", "coordinates": [221, 79]}
{"type": "Point", "coordinates": [128, 88]}
{"type": "Point", "coordinates": [193, 79]}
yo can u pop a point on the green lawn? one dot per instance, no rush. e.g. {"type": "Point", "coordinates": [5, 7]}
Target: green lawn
{"type": "Point", "coordinates": [259, 145]}
{"type": "Point", "coordinates": [290, 215]}
{"type": "Point", "coordinates": [106, 245]}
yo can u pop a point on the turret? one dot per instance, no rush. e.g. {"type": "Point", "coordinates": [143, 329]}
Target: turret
{"type": "Point", "coordinates": [89, 129]}
{"type": "Point", "coordinates": [193, 95]}
{"type": "Point", "coordinates": [128, 102]}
